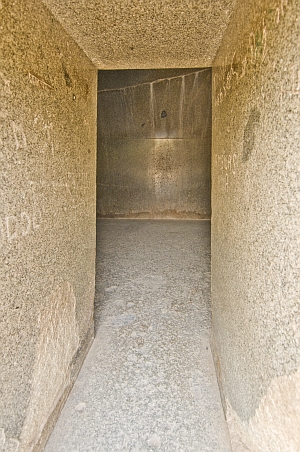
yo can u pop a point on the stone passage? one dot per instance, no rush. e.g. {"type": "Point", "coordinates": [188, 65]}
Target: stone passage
{"type": "Point", "coordinates": [148, 382]}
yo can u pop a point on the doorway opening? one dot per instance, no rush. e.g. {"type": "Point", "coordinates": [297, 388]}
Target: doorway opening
{"type": "Point", "coordinates": [149, 380]}
{"type": "Point", "coordinates": [154, 144]}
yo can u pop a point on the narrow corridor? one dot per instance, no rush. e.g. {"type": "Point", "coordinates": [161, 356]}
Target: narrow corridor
{"type": "Point", "coordinates": [148, 382]}
{"type": "Point", "coordinates": [150, 109]}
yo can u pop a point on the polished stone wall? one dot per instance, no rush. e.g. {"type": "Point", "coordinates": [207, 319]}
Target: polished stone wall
{"type": "Point", "coordinates": [154, 144]}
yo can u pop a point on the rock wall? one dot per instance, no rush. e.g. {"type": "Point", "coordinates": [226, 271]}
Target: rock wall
{"type": "Point", "coordinates": [47, 219]}
{"type": "Point", "coordinates": [255, 224]}
{"type": "Point", "coordinates": [154, 144]}
{"type": "Point", "coordinates": [126, 34]}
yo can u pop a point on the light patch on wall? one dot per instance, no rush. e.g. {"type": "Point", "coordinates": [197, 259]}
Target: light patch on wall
{"type": "Point", "coordinates": [58, 341]}
{"type": "Point", "coordinates": [8, 444]}
{"type": "Point", "coordinates": [162, 169]}
{"type": "Point", "coordinates": [276, 423]}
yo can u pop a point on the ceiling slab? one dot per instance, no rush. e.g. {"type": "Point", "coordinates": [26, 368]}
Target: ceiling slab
{"type": "Point", "coordinates": [145, 34]}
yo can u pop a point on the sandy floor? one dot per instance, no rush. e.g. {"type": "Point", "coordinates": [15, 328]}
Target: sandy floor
{"type": "Point", "coordinates": [148, 382]}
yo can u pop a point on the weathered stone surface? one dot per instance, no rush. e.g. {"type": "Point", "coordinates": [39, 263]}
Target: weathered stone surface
{"type": "Point", "coordinates": [255, 223]}
{"type": "Point", "coordinates": [148, 383]}
{"type": "Point", "coordinates": [47, 217]}
{"type": "Point", "coordinates": [128, 34]}
{"type": "Point", "coordinates": [154, 146]}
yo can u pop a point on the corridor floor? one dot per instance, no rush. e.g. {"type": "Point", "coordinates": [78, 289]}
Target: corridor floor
{"type": "Point", "coordinates": [148, 383]}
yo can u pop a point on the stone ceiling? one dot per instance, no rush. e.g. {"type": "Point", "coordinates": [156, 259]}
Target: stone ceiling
{"type": "Point", "coordinates": [144, 34]}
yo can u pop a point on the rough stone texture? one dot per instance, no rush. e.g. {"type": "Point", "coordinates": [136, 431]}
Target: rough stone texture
{"type": "Point", "coordinates": [275, 425]}
{"type": "Point", "coordinates": [154, 146]}
{"type": "Point", "coordinates": [148, 382]}
{"type": "Point", "coordinates": [126, 34]}
{"type": "Point", "coordinates": [255, 224]}
{"type": "Point", "coordinates": [47, 218]}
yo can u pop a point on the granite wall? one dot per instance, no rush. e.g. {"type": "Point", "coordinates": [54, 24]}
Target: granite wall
{"type": "Point", "coordinates": [47, 219]}
{"type": "Point", "coordinates": [255, 224]}
{"type": "Point", "coordinates": [154, 144]}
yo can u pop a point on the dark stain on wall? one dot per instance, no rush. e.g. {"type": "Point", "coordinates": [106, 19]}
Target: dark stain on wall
{"type": "Point", "coordinates": [249, 133]}
{"type": "Point", "coordinates": [67, 77]}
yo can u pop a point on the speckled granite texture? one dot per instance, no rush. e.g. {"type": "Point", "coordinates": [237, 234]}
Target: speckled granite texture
{"type": "Point", "coordinates": [154, 146]}
{"type": "Point", "coordinates": [148, 382]}
{"type": "Point", "coordinates": [255, 224]}
{"type": "Point", "coordinates": [126, 34]}
{"type": "Point", "coordinates": [47, 218]}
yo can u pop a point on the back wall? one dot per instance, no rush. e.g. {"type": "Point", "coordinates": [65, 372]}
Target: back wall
{"type": "Point", "coordinates": [154, 143]}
